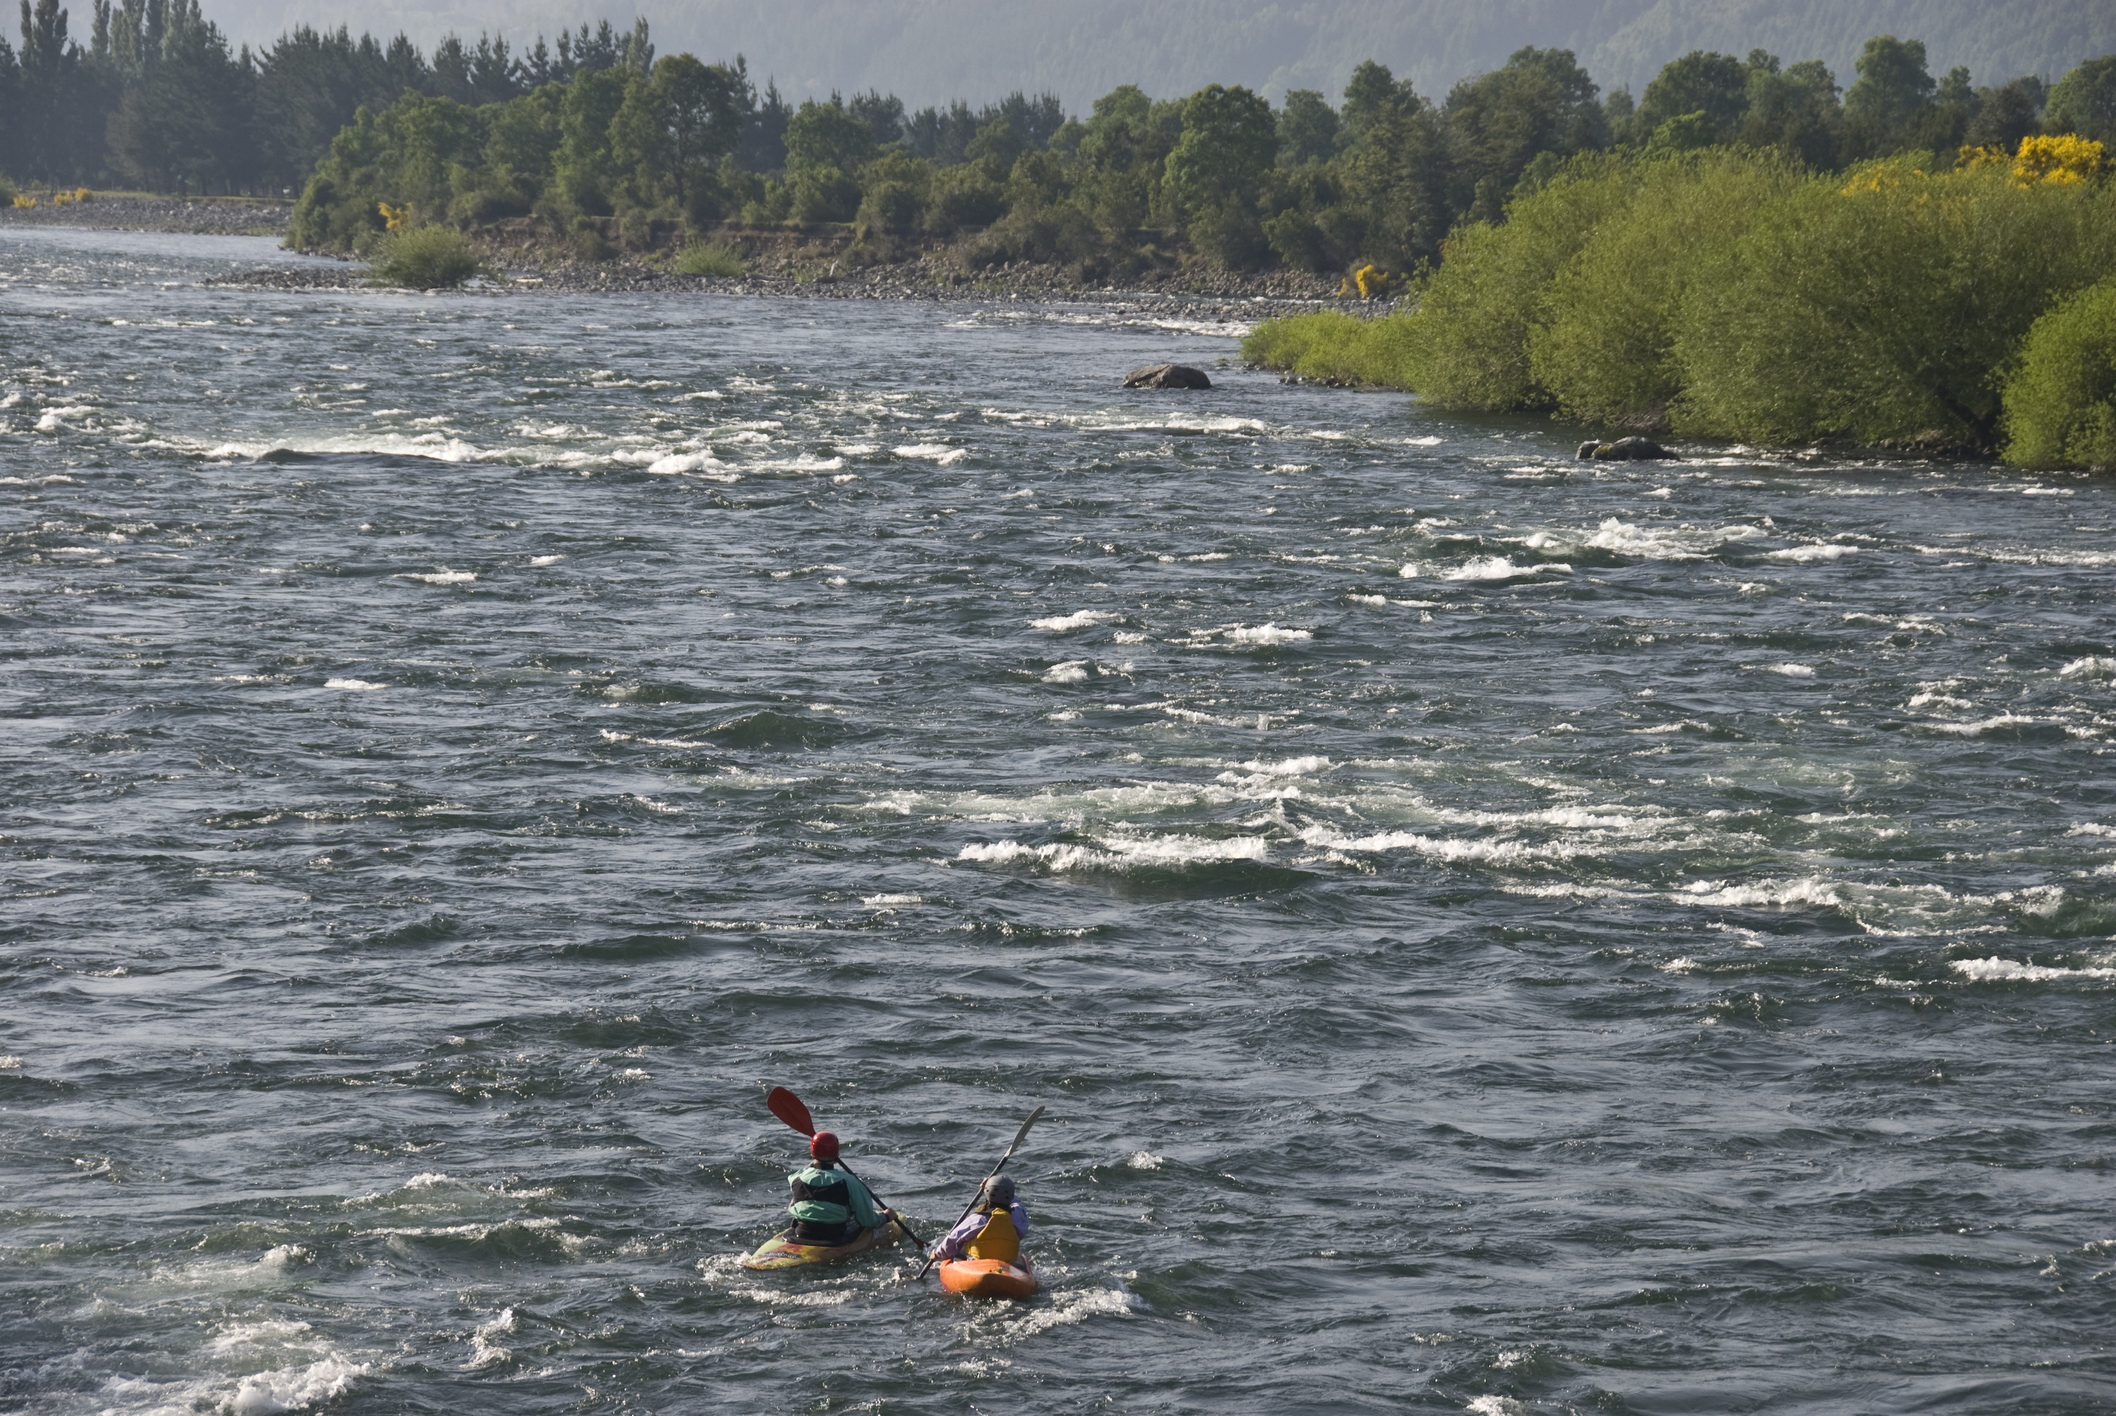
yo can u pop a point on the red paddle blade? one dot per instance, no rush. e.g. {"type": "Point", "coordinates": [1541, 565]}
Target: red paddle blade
{"type": "Point", "coordinates": [788, 1108]}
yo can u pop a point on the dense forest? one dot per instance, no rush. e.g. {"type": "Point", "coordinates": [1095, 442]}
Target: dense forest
{"type": "Point", "coordinates": [607, 146]}
{"type": "Point", "coordinates": [637, 156]}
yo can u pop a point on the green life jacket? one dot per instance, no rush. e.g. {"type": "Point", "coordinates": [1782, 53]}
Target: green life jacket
{"type": "Point", "coordinates": [820, 1197]}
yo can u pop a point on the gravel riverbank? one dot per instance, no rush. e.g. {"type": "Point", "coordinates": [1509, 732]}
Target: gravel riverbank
{"type": "Point", "coordinates": [1196, 293]}
{"type": "Point", "coordinates": [190, 216]}
{"type": "Point", "coordinates": [1203, 296]}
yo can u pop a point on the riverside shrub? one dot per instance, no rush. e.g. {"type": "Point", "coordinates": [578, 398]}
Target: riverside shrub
{"type": "Point", "coordinates": [1468, 344]}
{"type": "Point", "coordinates": [1886, 308]}
{"type": "Point", "coordinates": [1604, 345]}
{"type": "Point", "coordinates": [710, 258]}
{"type": "Point", "coordinates": [1332, 347]}
{"type": "Point", "coordinates": [426, 258]}
{"type": "Point", "coordinates": [2061, 400]}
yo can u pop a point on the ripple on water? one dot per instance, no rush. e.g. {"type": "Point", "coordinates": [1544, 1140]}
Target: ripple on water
{"type": "Point", "coordinates": [1657, 958]}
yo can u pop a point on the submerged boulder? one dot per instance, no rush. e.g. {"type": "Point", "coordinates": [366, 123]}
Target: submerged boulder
{"type": "Point", "coordinates": [1625, 450]}
{"type": "Point", "coordinates": [1167, 376]}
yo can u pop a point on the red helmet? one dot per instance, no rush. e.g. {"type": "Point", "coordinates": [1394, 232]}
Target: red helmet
{"type": "Point", "coordinates": [823, 1145]}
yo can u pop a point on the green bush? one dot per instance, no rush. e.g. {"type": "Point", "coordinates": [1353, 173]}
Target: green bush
{"type": "Point", "coordinates": [426, 258]}
{"type": "Point", "coordinates": [716, 258]}
{"type": "Point", "coordinates": [1884, 309]}
{"type": "Point", "coordinates": [1332, 347]}
{"type": "Point", "coordinates": [2061, 399]}
{"type": "Point", "coordinates": [1605, 346]}
{"type": "Point", "coordinates": [1469, 341]}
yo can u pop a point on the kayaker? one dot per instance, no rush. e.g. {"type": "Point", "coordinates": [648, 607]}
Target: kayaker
{"type": "Point", "coordinates": [993, 1229]}
{"type": "Point", "coordinates": [829, 1206]}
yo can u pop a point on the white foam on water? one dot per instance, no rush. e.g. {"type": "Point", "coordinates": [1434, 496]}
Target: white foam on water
{"type": "Point", "coordinates": [484, 1350]}
{"type": "Point", "coordinates": [1978, 729]}
{"type": "Point", "coordinates": [1805, 555]}
{"type": "Point", "coordinates": [441, 577]}
{"type": "Point", "coordinates": [679, 462]}
{"type": "Point", "coordinates": [1266, 634]}
{"type": "Point", "coordinates": [1807, 890]}
{"type": "Point", "coordinates": [1079, 619]}
{"type": "Point", "coordinates": [274, 1332]}
{"type": "Point", "coordinates": [1375, 600]}
{"type": "Point", "coordinates": [1493, 1406]}
{"type": "Point", "coordinates": [1996, 970]}
{"type": "Point", "coordinates": [353, 685]}
{"type": "Point", "coordinates": [1495, 568]}
{"type": "Point", "coordinates": [1426, 441]}
{"type": "Point", "coordinates": [1125, 636]}
{"type": "Point", "coordinates": [1449, 849]}
{"type": "Point", "coordinates": [937, 452]}
{"type": "Point", "coordinates": [633, 1074]}
{"type": "Point", "coordinates": [286, 1256]}
{"type": "Point", "coordinates": [9, 1062]}
{"type": "Point", "coordinates": [890, 902]}
{"type": "Point", "coordinates": [2089, 667]}
{"type": "Point", "coordinates": [1068, 1306]}
{"type": "Point", "coordinates": [1663, 542]}
{"type": "Point", "coordinates": [1071, 671]}
{"type": "Point", "coordinates": [1146, 1160]}
{"type": "Point", "coordinates": [1290, 767]}
{"type": "Point", "coordinates": [1123, 853]}
{"type": "Point", "coordinates": [1794, 670]}
{"type": "Point", "coordinates": [795, 1298]}
{"type": "Point", "coordinates": [545, 560]}
{"type": "Point", "coordinates": [292, 1389]}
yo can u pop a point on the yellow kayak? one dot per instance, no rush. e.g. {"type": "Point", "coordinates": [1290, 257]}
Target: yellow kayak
{"type": "Point", "coordinates": [778, 1252]}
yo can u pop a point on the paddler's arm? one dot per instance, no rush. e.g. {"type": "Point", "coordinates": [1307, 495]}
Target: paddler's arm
{"type": "Point", "coordinates": [961, 1234]}
{"type": "Point", "coordinates": [862, 1204]}
{"type": "Point", "coordinates": [1020, 1216]}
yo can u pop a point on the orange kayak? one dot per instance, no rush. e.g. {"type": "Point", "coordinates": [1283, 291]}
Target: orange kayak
{"type": "Point", "coordinates": [988, 1278]}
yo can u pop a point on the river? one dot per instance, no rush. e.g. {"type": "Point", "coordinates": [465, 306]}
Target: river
{"type": "Point", "coordinates": [1492, 933]}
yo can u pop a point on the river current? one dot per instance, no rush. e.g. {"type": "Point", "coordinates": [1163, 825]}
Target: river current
{"type": "Point", "coordinates": [1493, 933]}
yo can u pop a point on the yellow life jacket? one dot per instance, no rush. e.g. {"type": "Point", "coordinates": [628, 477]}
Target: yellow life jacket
{"type": "Point", "coordinates": [997, 1240]}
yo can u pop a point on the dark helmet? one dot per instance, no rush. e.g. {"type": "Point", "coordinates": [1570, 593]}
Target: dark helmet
{"type": "Point", "coordinates": [823, 1145]}
{"type": "Point", "coordinates": [998, 1193]}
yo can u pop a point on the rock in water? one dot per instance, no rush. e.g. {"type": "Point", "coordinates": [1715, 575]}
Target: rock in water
{"type": "Point", "coordinates": [1167, 376]}
{"type": "Point", "coordinates": [1625, 450]}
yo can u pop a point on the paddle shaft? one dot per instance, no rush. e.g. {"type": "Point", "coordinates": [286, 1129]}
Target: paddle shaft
{"type": "Point", "coordinates": [1005, 1156]}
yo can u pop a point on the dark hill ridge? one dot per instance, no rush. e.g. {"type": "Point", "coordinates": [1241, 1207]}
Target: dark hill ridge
{"type": "Point", "coordinates": [931, 51]}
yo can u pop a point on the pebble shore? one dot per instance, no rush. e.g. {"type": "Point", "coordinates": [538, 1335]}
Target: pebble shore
{"type": "Point", "coordinates": [190, 216]}
{"type": "Point", "coordinates": [1195, 294]}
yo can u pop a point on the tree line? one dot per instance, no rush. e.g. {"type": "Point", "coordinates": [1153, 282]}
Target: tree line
{"type": "Point", "coordinates": [601, 143]}
{"type": "Point", "coordinates": [158, 98]}
{"type": "Point", "coordinates": [640, 155]}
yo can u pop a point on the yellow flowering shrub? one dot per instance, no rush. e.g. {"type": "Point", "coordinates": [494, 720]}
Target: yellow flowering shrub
{"type": "Point", "coordinates": [2061, 160]}
{"type": "Point", "coordinates": [396, 218]}
{"type": "Point", "coordinates": [24, 201]}
{"type": "Point", "coordinates": [1368, 282]}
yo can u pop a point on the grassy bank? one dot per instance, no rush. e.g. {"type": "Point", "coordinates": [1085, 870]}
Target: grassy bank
{"type": "Point", "coordinates": [1727, 293]}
